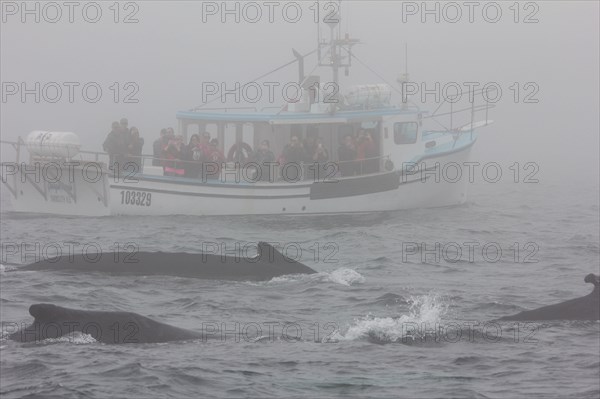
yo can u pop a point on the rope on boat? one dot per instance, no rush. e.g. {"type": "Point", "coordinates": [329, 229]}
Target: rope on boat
{"type": "Point", "coordinates": [260, 77]}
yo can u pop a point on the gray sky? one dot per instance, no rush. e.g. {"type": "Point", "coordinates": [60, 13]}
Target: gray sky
{"type": "Point", "coordinates": [170, 52]}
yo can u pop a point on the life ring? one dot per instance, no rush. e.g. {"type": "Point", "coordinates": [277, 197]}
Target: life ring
{"type": "Point", "coordinates": [232, 154]}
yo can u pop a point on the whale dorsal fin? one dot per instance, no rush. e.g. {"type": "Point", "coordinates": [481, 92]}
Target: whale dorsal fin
{"type": "Point", "coordinates": [267, 253]}
{"type": "Point", "coordinates": [44, 311]}
{"type": "Point", "coordinates": [592, 278]}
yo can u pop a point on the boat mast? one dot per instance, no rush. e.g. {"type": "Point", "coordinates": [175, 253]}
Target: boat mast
{"type": "Point", "coordinates": [403, 79]}
{"type": "Point", "coordinates": [335, 48]}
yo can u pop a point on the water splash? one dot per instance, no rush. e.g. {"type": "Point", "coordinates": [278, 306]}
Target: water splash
{"type": "Point", "coordinates": [344, 276]}
{"type": "Point", "coordinates": [7, 268]}
{"type": "Point", "coordinates": [77, 338]}
{"type": "Point", "coordinates": [424, 311]}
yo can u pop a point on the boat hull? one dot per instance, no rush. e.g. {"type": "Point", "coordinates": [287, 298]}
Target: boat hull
{"type": "Point", "coordinates": [158, 195]}
{"type": "Point", "coordinates": [57, 188]}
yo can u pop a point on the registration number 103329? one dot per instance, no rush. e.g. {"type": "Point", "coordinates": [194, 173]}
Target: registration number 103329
{"type": "Point", "coordinates": [138, 198]}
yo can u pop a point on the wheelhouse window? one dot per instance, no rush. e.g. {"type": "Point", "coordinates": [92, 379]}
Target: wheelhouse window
{"type": "Point", "coordinates": [405, 132]}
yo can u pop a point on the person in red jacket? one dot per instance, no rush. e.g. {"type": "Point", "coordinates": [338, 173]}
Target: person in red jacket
{"type": "Point", "coordinates": [173, 152]}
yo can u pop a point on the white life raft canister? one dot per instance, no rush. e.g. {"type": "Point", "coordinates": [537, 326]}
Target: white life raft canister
{"type": "Point", "coordinates": [369, 95]}
{"type": "Point", "coordinates": [53, 144]}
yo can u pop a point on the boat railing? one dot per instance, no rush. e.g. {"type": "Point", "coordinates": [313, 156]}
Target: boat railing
{"type": "Point", "coordinates": [323, 170]}
{"type": "Point", "coordinates": [16, 145]}
{"type": "Point", "coordinates": [148, 164]}
{"type": "Point", "coordinates": [475, 107]}
{"type": "Point", "coordinates": [98, 157]}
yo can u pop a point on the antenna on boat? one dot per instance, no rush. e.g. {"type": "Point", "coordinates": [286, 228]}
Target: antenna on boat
{"type": "Point", "coordinates": [334, 48]}
{"type": "Point", "coordinates": [406, 59]}
{"type": "Point", "coordinates": [300, 59]}
{"type": "Point", "coordinates": [403, 78]}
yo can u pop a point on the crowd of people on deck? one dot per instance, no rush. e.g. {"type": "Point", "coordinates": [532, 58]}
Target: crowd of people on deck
{"type": "Point", "coordinates": [202, 155]}
{"type": "Point", "coordinates": [358, 155]}
{"type": "Point", "coordinates": [123, 145]}
{"type": "Point", "coordinates": [180, 159]}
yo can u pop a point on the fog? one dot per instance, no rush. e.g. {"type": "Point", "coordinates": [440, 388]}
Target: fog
{"type": "Point", "coordinates": [170, 52]}
{"type": "Point", "coordinates": [218, 276]}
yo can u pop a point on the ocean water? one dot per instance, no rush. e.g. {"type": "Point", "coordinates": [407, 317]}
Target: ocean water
{"type": "Point", "coordinates": [387, 314]}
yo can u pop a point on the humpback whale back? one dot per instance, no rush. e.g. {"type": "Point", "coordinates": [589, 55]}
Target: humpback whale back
{"type": "Point", "coordinates": [267, 264]}
{"type": "Point", "coordinates": [53, 321]}
{"type": "Point", "coordinates": [583, 308]}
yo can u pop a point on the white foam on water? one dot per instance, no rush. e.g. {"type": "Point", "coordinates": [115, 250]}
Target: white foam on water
{"type": "Point", "coordinates": [7, 268]}
{"type": "Point", "coordinates": [342, 276]}
{"type": "Point", "coordinates": [262, 338]}
{"type": "Point", "coordinates": [77, 338]}
{"type": "Point", "coordinates": [345, 277]}
{"type": "Point", "coordinates": [287, 278]}
{"type": "Point", "coordinates": [424, 310]}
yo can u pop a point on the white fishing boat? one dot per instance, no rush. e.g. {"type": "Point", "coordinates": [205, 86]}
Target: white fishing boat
{"type": "Point", "coordinates": [405, 171]}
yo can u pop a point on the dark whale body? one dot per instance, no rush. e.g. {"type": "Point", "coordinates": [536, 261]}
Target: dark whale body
{"type": "Point", "coordinates": [267, 264]}
{"type": "Point", "coordinates": [53, 321]}
{"type": "Point", "coordinates": [584, 308]}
